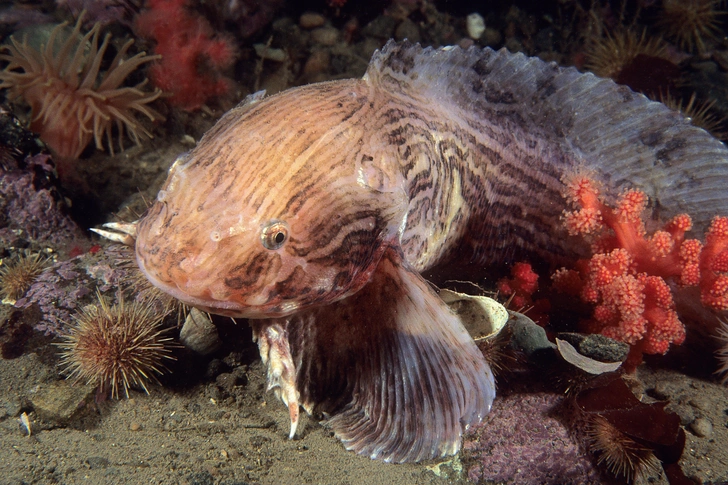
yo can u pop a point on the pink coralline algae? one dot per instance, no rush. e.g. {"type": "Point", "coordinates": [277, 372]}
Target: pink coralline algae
{"type": "Point", "coordinates": [68, 285]}
{"type": "Point", "coordinates": [522, 441]}
{"type": "Point", "coordinates": [57, 293]}
{"type": "Point", "coordinates": [31, 208]}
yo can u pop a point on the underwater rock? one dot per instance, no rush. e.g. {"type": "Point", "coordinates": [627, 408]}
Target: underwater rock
{"type": "Point", "coordinates": [524, 441]}
{"type": "Point", "coordinates": [199, 333]}
{"type": "Point", "coordinates": [60, 402]}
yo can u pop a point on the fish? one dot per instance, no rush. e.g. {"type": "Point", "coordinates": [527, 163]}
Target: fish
{"type": "Point", "coordinates": [315, 212]}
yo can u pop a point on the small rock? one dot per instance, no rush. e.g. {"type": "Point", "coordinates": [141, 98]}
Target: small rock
{"type": "Point", "coordinates": [492, 36]}
{"type": "Point", "coordinates": [269, 53]}
{"type": "Point", "coordinates": [597, 347]}
{"type": "Point", "coordinates": [200, 478]}
{"type": "Point", "coordinates": [60, 402]}
{"type": "Point", "coordinates": [475, 25]}
{"type": "Point", "coordinates": [699, 403]}
{"type": "Point", "coordinates": [529, 337]}
{"type": "Point", "coordinates": [381, 27]}
{"type": "Point", "coordinates": [311, 20]}
{"type": "Point", "coordinates": [686, 413]}
{"type": "Point", "coordinates": [702, 427]}
{"type": "Point", "coordinates": [227, 381]}
{"type": "Point", "coordinates": [96, 462]}
{"type": "Point", "coordinates": [199, 333]}
{"type": "Point", "coordinates": [663, 390]}
{"type": "Point", "coordinates": [317, 62]}
{"type": "Point", "coordinates": [134, 426]}
{"type": "Point", "coordinates": [325, 36]}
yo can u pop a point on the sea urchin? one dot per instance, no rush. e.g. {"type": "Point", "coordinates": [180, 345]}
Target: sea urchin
{"type": "Point", "coordinates": [69, 105]}
{"type": "Point", "coordinates": [692, 22]}
{"type": "Point", "coordinates": [622, 455]}
{"type": "Point", "coordinates": [16, 275]}
{"type": "Point", "coordinates": [116, 347]}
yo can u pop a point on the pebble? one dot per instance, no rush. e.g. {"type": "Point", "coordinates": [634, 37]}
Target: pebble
{"type": "Point", "coordinates": [317, 62]}
{"type": "Point", "coordinates": [491, 36]}
{"type": "Point", "coordinates": [199, 333]}
{"type": "Point", "coordinates": [59, 402]}
{"type": "Point", "coordinates": [686, 413]}
{"type": "Point", "coordinates": [475, 25]}
{"type": "Point", "coordinates": [702, 427]}
{"type": "Point", "coordinates": [96, 462]}
{"type": "Point", "coordinates": [269, 53]}
{"type": "Point", "coordinates": [325, 36]}
{"type": "Point", "coordinates": [134, 426]}
{"type": "Point", "coordinates": [311, 20]}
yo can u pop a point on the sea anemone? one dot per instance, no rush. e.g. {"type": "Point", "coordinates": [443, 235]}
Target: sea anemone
{"type": "Point", "coordinates": [116, 347]}
{"type": "Point", "coordinates": [622, 455]}
{"type": "Point", "coordinates": [70, 104]}
{"type": "Point", "coordinates": [691, 22]}
{"type": "Point", "coordinates": [16, 275]}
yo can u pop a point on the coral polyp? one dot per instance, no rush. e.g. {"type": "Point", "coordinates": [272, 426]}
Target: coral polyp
{"type": "Point", "coordinates": [16, 275]}
{"type": "Point", "coordinates": [116, 347]}
{"type": "Point", "coordinates": [71, 100]}
{"type": "Point", "coordinates": [691, 23]}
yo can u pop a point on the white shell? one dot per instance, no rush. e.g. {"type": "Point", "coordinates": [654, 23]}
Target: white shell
{"type": "Point", "coordinates": [483, 317]}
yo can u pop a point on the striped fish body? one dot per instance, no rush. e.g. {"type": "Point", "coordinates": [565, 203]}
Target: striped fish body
{"type": "Point", "coordinates": [313, 212]}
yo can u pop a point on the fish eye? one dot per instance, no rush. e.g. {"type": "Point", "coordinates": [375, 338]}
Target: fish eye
{"type": "Point", "coordinates": [274, 235]}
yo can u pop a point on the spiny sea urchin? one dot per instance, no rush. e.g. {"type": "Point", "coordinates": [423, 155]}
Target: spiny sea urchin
{"type": "Point", "coordinates": [691, 22]}
{"type": "Point", "coordinates": [71, 101]}
{"type": "Point", "coordinates": [17, 274]}
{"type": "Point", "coordinates": [722, 353]}
{"type": "Point", "coordinates": [699, 114]}
{"type": "Point", "coordinates": [607, 56]}
{"type": "Point", "coordinates": [622, 455]}
{"type": "Point", "coordinates": [116, 347]}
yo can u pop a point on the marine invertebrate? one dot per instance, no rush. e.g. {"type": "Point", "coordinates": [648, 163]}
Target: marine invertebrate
{"type": "Point", "coordinates": [520, 288]}
{"type": "Point", "coordinates": [638, 61]}
{"type": "Point", "coordinates": [699, 113]}
{"type": "Point", "coordinates": [722, 353]}
{"type": "Point", "coordinates": [630, 437]}
{"type": "Point", "coordinates": [71, 101]}
{"type": "Point", "coordinates": [692, 23]}
{"type": "Point", "coordinates": [17, 274]}
{"type": "Point", "coordinates": [626, 276]}
{"type": "Point", "coordinates": [116, 347]}
{"type": "Point", "coordinates": [607, 56]}
{"type": "Point", "coordinates": [622, 455]}
{"type": "Point", "coordinates": [193, 55]}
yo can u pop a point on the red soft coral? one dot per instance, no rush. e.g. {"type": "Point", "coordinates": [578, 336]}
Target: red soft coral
{"type": "Point", "coordinates": [521, 286]}
{"type": "Point", "coordinates": [193, 56]}
{"type": "Point", "coordinates": [626, 278]}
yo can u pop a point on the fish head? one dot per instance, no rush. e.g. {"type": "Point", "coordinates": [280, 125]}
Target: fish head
{"type": "Point", "coordinates": [280, 207]}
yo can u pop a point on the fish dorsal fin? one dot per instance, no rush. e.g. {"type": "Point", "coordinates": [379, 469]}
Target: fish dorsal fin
{"type": "Point", "coordinates": [621, 137]}
{"type": "Point", "coordinates": [392, 367]}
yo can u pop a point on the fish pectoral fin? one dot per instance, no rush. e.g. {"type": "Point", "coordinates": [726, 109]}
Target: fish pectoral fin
{"type": "Point", "coordinates": [276, 354]}
{"type": "Point", "coordinates": [393, 367]}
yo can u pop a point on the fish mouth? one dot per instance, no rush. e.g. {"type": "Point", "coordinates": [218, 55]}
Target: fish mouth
{"type": "Point", "coordinates": [222, 307]}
